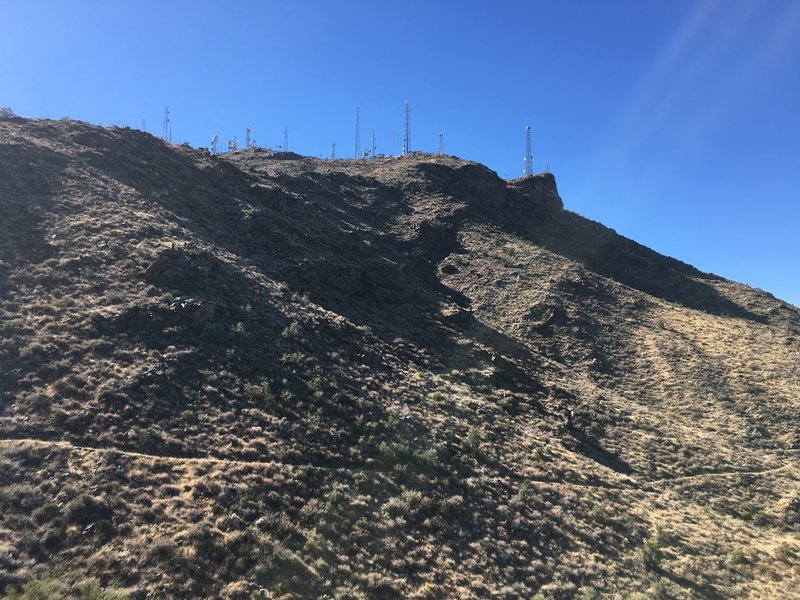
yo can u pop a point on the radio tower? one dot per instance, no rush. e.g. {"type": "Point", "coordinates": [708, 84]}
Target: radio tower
{"type": "Point", "coordinates": [357, 147]}
{"type": "Point", "coordinates": [372, 154]}
{"type": "Point", "coordinates": [441, 143]}
{"type": "Point", "coordinates": [214, 144]}
{"type": "Point", "coordinates": [333, 150]}
{"type": "Point", "coordinates": [285, 138]}
{"type": "Point", "coordinates": [167, 137]}
{"type": "Point", "coordinates": [407, 128]}
{"type": "Point", "coordinates": [528, 154]}
{"type": "Point", "coordinates": [247, 137]}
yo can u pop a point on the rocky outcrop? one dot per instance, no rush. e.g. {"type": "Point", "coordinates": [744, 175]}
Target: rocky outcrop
{"type": "Point", "coordinates": [535, 192]}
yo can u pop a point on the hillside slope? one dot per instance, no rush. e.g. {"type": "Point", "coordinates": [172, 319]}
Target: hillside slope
{"type": "Point", "coordinates": [259, 374]}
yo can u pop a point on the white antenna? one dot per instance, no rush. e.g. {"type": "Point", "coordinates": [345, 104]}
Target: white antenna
{"type": "Point", "coordinates": [247, 137]}
{"type": "Point", "coordinates": [406, 128]}
{"type": "Point", "coordinates": [214, 144]}
{"type": "Point", "coordinates": [285, 138]}
{"type": "Point", "coordinates": [528, 154]}
{"type": "Point", "coordinates": [167, 137]}
{"type": "Point", "coordinates": [373, 143]}
{"type": "Point", "coordinates": [333, 150]}
{"type": "Point", "coordinates": [357, 147]}
{"type": "Point", "coordinates": [441, 143]}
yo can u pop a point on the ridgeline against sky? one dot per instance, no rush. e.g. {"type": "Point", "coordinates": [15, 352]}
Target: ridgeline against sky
{"type": "Point", "coordinates": [675, 124]}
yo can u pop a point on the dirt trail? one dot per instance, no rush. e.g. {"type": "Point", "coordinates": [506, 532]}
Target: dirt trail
{"type": "Point", "coordinates": [627, 484]}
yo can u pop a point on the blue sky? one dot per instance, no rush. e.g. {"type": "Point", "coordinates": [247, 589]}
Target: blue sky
{"type": "Point", "coordinates": [676, 123]}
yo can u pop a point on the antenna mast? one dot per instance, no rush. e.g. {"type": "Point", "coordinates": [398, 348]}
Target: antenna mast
{"type": "Point", "coordinates": [407, 128]}
{"type": "Point", "coordinates": [247, 137]}
{"type": "Point", "coordinates": [167, 137]}
{"type": "Point", "coordinates": [373, 144]}
{"type": "Point", "coordinates": [528, 154]}
{"type": "Point", "coordinates": [214, 143]}
{"type": "Point", "coordinates": [285, 138]}
{"type": "Point", "coordinates": [357, 147]}
{"type": "Point", "coordinates": [333, 150]}
{"type": "Point", "coordinates": [441, 143]}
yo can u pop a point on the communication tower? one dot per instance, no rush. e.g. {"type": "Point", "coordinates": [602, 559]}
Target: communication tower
{"type": "Point", "coordinates": [247, 137]}
{"type": "Point", "coordinates": [373, 144]}
{"type": "Point", "coordinates": [357, 147]}
{"type": "Point", "coordinates": [285, 138]}
{"type": "Point", "coordinates": [232, 145]}
{"type": "Point", "coordinates": [333, 150]}
{"type": "Point", "coordinates": [167, 137]}
{"type": "Point", "coordinates": [528, 154]}
{"type": "Point", "coordinates": [406, 128]}
{"type": "Point", "coordinates": [214, 144]}
{"type": "Point", "coordinates": [441, 143]}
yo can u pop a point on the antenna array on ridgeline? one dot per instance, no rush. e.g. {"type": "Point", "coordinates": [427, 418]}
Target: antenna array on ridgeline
{"type": "Point", "coordinates": [528, 154]}
{"type": "Point", "coordinates": [406, 128]}
{"type": "Point", "coordinates": [214, 144]}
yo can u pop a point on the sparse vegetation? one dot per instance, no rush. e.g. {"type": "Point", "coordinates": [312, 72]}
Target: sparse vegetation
{"type": "Point", "coordinates": [255, 375]}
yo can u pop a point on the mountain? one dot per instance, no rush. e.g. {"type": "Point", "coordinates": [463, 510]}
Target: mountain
{"type": "Point", "coordinates": [259, 374]}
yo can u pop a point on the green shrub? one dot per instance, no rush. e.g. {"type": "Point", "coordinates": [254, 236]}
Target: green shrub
{"type": "Point", "coordinates": [652, 554]}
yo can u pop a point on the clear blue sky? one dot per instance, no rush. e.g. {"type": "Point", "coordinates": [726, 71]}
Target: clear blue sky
{"type": "Point", "coordinates": [676, 123]}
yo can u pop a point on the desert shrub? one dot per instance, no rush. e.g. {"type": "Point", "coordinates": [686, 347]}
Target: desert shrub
{"type": "Point", "coordinates": [49, 588]}
{"type": "Point", "coordinates": [7, 113]}
{"type": "Point", "coordinates": [659, 590]}
{"type": "Point", "coordinates": [588, 593]}
{"type": "Point", "coordinates": [471, 444]}
{"type": "Point", "coordinates": [85, 509]}
{"type": "Point", "coordinates": [91, 590]}
{"type": "Point", "coordinates": [652, 554]}
{"type": "Point", "coordinates": [523, 495]}
{"type": "Point", "coordinates": [38, 589]}
{"type": "Point", "coordinates": [293, 332]}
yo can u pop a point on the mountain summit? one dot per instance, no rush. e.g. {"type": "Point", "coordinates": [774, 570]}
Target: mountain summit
{"type": "Point", "coordinates": [264, 375]}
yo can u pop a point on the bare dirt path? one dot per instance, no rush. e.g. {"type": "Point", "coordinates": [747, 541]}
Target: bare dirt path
{"type": "Point", "coordinates": [629, 483]}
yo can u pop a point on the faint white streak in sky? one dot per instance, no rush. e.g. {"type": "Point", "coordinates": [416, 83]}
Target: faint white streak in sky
{"type": "Point", "coordinates": [676, 89]}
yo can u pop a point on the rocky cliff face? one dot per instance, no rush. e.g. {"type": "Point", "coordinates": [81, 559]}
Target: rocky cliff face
{"type": "Point", "coordinates": [265, 374]}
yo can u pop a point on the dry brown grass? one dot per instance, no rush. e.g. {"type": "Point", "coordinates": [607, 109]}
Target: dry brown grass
{"type": "Point", "coordinates": [267, 375]}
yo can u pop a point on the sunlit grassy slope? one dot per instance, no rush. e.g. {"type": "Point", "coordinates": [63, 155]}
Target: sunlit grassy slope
{"type": "Point", "coordinates": [263, 375]}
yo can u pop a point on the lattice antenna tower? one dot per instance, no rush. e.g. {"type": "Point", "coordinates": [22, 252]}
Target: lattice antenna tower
{"type": "Point", "coordinates": [357, 147]}
{"type": "Point", "coordinates": [441, 143]}
{"type": "Point", "coordinates": [528, 153]}
{"type": "Point", "coordinates": [214, 144]}
{"type": "Point", "coordinates": [247, 137]}
{"type": "Point", "coordinates": [372, 154]}
{"type": "Point", "coordinates": [406, 128]}
{"type": "Point", "coordinates": [167, 137]}
{"type": "Point", "coordinates": [333, 150]}
{"type": "Point", "coordinates": [285, 138]}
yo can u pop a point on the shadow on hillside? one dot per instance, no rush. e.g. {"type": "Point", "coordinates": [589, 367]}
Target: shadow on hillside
{"type": "Point", "coordinates": [610, 255]}
{"type": "Point", "coordinates": [28, 186]}
{"type": "Point", "coordinates": [702, 590]}
{"type": "Point", "coordinates": [29, 178]}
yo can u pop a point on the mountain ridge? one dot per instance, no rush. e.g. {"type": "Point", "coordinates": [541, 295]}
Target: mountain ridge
{"type": "Point", "coordinates": [260, 373]}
